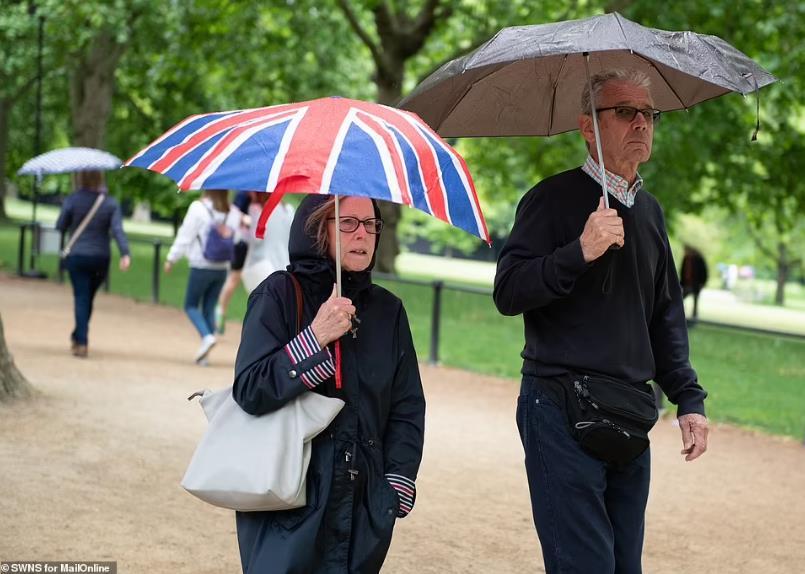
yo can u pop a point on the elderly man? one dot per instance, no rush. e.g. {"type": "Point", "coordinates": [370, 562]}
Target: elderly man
{"type": "Point", "coordinates": [600, 299]}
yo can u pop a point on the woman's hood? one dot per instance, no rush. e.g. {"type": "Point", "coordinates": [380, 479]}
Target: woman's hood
{"type": "Point", "coordinates": [306, 259]}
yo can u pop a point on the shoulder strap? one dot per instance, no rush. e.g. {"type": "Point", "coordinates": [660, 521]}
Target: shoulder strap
{"type": "Point", "coordinates": [212, 220]}
{"type": "Point", "coordinates": [299, 301]}
{"type": "Point", "coordinates": [83, 225]}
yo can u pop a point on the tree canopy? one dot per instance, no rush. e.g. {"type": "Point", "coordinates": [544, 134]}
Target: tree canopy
{"type": "Point", "coordinates": [154, 63]}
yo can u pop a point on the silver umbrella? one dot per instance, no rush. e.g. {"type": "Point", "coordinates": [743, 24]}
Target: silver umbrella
{"type": "Point", "coordinates": [527, 80]}
{"type": "Point", "coordinates": [68, 160]}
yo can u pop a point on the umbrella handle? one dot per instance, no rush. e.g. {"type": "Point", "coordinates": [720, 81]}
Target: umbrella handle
{"type": "Point", "coordinates": [337, 248]}
{"type": "Point", "coordinates": [338, 363]}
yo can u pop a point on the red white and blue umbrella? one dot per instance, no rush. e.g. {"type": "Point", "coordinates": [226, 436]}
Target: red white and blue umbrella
{"type": "Point", "coordinates": [330, 145]}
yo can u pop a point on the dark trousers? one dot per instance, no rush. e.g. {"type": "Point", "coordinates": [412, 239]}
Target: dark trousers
{"type": "Point", "coordinates": [695, 292]}
{"type": "Point", "coordinates": [87, 274]}
{"type": "Point", "coordinates": [589, 515]}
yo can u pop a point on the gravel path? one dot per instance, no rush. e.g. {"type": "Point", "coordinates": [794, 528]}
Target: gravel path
{"type": "Point", "coordinates": [91, 468]}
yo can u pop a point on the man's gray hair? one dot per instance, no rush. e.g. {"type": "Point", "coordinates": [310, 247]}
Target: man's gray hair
{"type": "Point", "coordinates": [636, 77]}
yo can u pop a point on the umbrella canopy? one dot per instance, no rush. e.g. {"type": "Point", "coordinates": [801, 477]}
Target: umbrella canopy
{"type": "Point", "coordinates": [70, 159]}
{"type": "Point", "coordinates": [329, 145]}
{"type": "Point", "coordinates": [527, 80]}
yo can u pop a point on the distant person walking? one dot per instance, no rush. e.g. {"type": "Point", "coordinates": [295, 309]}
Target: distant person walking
{"type": "Point", "coordinates": [89, 215]}
{"type": "Point", "coordinates": [270, 253]}
{"type": "Point", "coordinates": [693, 277]}
{"type": "Point", "coordinates": [207, 237]}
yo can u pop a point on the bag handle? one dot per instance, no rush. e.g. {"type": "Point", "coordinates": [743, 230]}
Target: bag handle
{"type": "Point", "coordinates": [299, 301]}
{"type": "Point", "coordinates": [83, 225]}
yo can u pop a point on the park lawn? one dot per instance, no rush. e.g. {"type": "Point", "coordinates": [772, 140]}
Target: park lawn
{"type": "Point", "coordinates": [753, 380]}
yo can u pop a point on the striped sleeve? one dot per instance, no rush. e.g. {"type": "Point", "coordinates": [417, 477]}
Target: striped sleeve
{"type": "Point", "coordinates": [406, 492]}
{"type": "Point", "coordinates": [303, 347]}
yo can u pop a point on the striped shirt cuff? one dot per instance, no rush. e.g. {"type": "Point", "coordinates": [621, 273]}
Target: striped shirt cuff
{"type": "Point", "coordinates": [406, 492]}
{"type": "Point", "coordinates": [304, 346]}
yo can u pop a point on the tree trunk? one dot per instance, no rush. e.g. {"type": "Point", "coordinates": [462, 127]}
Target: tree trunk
{"type": "Point", "coordinates": [92, 86]}
{"type": "Point", "coordinates": [783, 270]}
{"type": "Point", "coordinates": [5, 112]}
{"type": "Point", "coordinates": [12, 384]}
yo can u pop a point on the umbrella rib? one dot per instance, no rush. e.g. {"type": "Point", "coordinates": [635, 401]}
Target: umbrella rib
{"type": "Point", "coordinates": [667, 83]}
{"type": "Point", "coordinates": [623, 32]}
{"type": "Point", "coordinates": [553, 95]}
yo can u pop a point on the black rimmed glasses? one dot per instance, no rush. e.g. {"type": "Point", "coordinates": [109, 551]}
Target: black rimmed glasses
{"type": "Point", "coordinates": [349, 224]}
{"type": "Point", "coordinates": [628, 113]}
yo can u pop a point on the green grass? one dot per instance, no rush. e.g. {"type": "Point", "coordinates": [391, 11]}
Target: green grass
{"type": "Point", "coordinates": [753, 380]}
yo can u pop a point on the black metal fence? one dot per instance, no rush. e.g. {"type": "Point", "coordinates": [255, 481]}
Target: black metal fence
{"type": "Point", "coordinates": [437, 286]}
{"type": "Point", "coordinates": [32, 236]}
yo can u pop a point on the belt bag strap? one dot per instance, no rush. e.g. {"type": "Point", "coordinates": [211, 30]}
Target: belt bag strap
{"type": "Point", "coordinates": [83, 225]}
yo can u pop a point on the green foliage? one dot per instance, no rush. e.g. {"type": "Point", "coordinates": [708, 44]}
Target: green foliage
{"type": "Point", "coordinates": [198, 56]}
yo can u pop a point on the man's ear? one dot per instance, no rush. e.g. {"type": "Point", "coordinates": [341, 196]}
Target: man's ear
{"type": "Point", "coordinates": [586, 128]}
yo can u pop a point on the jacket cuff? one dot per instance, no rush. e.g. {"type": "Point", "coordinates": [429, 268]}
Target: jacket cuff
{"type": "Point", "coordinates": [690, 404]}
{"type": "Point", "coordinates": [311, 363]}
{"type": "Point", "coordinates": [406, 492]}
{"type": "Point", "coordinates": [570, 259]}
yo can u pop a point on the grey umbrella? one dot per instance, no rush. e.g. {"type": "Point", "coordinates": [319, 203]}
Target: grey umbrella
{"type": "Point", "coordinates": [527, 80]}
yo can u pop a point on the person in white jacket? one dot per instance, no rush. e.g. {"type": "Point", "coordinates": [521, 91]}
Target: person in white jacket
{"type": "Point", "coordinates": [206, 237]}
{"type": "Point", "coordinates": [270, 254]}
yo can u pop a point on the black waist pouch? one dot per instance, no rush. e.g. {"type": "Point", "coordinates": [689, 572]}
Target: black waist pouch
{"type": "Point", "coordinates": [610, 419]}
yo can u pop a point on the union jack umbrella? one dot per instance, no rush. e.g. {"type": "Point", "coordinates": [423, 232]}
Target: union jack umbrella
{"type": "Point", "coordinates": [330, 145]}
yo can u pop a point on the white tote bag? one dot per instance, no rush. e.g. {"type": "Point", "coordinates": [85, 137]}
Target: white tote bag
{"type": "Point", "coordinates": [256, 463]}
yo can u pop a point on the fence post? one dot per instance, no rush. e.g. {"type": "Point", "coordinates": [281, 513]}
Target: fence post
{"type": "Point", "coordinates": [156, 271]}
{"type": "Point", "coordinates": [435, 322]}
{"type": "Point", "coordinates": [21, 252]}
{"type": "Point", "coordinates": [34, 244]}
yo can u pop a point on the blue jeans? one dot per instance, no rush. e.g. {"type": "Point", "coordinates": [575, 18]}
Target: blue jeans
{"type": "Point", "coordinates": [87, 274]}
{"type": "Point", "coordinates": [203, 288]}
{"type": "Point", "coordinates": [590, 515]}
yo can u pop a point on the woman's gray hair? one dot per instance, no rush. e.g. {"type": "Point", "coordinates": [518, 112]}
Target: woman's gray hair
{"type": "Point", "coordinates": [636, 77]}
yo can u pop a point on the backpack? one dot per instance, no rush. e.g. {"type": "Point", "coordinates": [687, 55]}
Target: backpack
{"type": "Point", "coordinates": [220, 245]}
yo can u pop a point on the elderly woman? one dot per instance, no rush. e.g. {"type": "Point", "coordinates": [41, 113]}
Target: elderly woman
{"type": "Point", "coordinates": [363, 467]}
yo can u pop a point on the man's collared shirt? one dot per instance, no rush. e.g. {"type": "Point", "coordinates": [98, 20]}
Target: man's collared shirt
{"type": "Point", "coordinates": [617, 186]}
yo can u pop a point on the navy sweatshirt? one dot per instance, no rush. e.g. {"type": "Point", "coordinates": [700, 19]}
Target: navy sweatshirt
{"type": "Point", "coordinates": [620, 315]}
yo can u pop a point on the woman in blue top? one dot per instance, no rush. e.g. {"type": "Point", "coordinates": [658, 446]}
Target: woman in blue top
{"type": "Point", "coordinates": [88, 261]}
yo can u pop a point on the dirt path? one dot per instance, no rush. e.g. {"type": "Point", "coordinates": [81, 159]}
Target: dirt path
{"type": "Point", "coordinates": [90, 470]}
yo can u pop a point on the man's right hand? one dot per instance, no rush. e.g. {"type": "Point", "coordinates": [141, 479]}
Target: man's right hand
{"type": "Point", "coordinates": [603, 229]}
